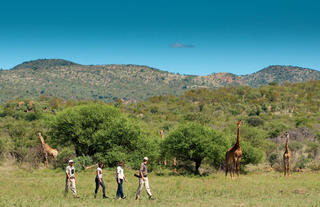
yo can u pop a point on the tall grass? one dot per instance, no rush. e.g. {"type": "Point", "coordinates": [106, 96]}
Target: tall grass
{"type": "Point", "coordinates": [45, 187]}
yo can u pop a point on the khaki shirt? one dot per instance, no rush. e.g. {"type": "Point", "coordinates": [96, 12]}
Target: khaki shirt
{"type": "Point", "coordinates": [143, 169]}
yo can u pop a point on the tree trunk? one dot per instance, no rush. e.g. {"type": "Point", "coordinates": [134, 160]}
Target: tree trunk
{"type": "Point", "coordinates": [198, 163]}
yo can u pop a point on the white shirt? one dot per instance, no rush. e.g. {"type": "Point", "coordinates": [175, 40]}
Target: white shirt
{"type": "Point", "coordinates": [100, 175]}
{"type": "Point", "coordinates": [120, 172]}
{"type": "Point", "coordinates": [71, 171]}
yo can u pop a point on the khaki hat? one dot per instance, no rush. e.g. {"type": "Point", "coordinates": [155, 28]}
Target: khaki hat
{"type": "Point", "coordinates": [145, 158]}
{"type": "Point", "coordinates": [70, 161]}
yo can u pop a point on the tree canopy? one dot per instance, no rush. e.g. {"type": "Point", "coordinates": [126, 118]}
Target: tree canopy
{"type": "Point", "coordinates": [195, 142]}
{"type": "Point", "coordinates": [101, 131]}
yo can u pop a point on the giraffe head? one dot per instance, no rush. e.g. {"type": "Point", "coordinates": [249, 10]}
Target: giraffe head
{"type": "Point", "coordinates": [285, 135]}
{"type": "Point", "coordinates": [239, 123]}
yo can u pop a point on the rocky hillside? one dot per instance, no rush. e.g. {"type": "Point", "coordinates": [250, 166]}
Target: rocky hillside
{"type": "Point", "coordinates": [65, 79]}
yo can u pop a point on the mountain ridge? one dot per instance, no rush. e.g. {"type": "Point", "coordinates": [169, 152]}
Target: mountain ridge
{"type": "Point", "coordinates": [69, 80]}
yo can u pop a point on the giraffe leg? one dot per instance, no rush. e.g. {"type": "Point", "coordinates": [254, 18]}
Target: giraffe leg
{"type": "Point", "coordinates": [46, 159]}
{"type": "Point", "coordinates": [289, 168]}
{"type": "Point", "coordinates": [238, 167]}
{"type": "Point", "coordinates": [284, 167]}
{"type": "Point", "coordinates": [226, 166]}
{"type": "Point", "coordinates": [234, 166]}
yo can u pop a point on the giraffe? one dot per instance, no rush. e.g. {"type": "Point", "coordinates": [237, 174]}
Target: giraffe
{"type": "Point", "coordinates": [234, 154]}
{"type": "Point", "coordinates": [286, 155]}
{"type": "Point", "coordinates": [47, 150]}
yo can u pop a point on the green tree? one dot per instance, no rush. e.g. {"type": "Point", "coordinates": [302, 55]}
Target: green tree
{"type": "Point", "coordinates": [195, 142]}
{"type": "Point", "coordinates": [100, 131]}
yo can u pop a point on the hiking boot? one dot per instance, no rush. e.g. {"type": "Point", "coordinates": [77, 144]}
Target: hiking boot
{"type": "Point", "coordinates": [151, 198]}
{"type": "Point", "coordinates": [104, 197]}
{"type": "Point", "coordinates": [137, 197]}
{"type": "Point", "coordinates": [95, 196]}
{"type": "Point", "coordinates": [124, 197]}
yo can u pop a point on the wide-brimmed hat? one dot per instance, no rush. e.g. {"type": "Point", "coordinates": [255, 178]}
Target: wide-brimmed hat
{"type": "Point", "coordinates": [70, 161]}
{"type": "Point", "coordinates": [145, 158]}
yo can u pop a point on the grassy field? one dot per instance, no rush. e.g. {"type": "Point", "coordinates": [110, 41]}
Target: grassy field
{"type": "Point", "coordinates": [44, 187]}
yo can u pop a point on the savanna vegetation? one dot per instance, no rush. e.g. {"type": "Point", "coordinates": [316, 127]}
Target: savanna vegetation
{"type": "Point", "coordinates": [199, 126]}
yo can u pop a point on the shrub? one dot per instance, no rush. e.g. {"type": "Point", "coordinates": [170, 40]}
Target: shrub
{"type": "Point", "coordinates": [273, 158]}
{"type": "Point", "coordinates": [81, 161]}
{"type": "Point", "coordinates": [302, 162]}
{"type": "Point", "coordinates": [195, 142]}
{"type": "Point", "coordinates": [255, 121]}
{"type": "Point", "coordinates": [250, 154]}
{"type": "Point", "coordinates": [101, 131]}
{"type": "Point", "coordinates": [63, 157]}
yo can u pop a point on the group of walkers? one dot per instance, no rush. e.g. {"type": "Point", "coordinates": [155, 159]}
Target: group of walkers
{"type": "Point", "coordinates": [120, 177]}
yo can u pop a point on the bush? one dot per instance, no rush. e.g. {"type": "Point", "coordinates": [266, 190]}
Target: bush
{"type": "Point", "coordinates": [195, 142]}
{"type": "Point", "coordinates": [81, 161]}
{"type": "Point", "coordinates": [255, 121]}
{"type": "Point", "coordinates": [250, 154]}
{"type": "Point", "coordinates": [302, 162]}
{"type": "Point", "coordinates": [273, 158]}
{"type": "Point", "coordinates": [63, 157]}
{"type": "Point", "coordinates": [102, 132]}
{"type": "Point", "coordinates": [35, 156]}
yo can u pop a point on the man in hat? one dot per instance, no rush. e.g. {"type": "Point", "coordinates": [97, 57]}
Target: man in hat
{"type": "Point", "coordinates": [71, 179]}
{"type": "Point", "coordinates": [143, 179]}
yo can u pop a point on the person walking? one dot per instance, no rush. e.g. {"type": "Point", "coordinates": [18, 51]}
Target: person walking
{"type": "Point", "coordinates": [143, 179]}
{"type": "Point", "coordinates": [99, 181]}
{"type": "Point", "coordinates": [71, 180]}
{"type": "Point", "coordinates": [120, 177]}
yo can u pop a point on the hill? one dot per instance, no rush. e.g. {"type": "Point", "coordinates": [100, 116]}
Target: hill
{"type": "Point", "coordinates": [68, 80]}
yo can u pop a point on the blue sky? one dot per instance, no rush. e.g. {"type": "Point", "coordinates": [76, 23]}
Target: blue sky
{"type": "Point", "coordinates": [188, 37]}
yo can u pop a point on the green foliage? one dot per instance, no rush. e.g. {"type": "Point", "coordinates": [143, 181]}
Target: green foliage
{"type": "Point", "coordinates": [302, 162]}
{"type": "Point", "coordinates": [250, 154]}
{"type": "Point", "coordinates": [273, 158]}
{"type": "Point", "coordinates": [255, 137]}
{"type": "Point", "coordinates": [63, 157]}
{"type": "Point", "coordinates": [301, 122]}
{"type": "Point", "coordinates": [81, 161]}
{"type": "Point", "coordinates": [194, 142]}
{"type": "Point", "coordinates": [276, 129]}
{"type": "Point", "coordinates": [255, 121]}
{"type": "Point", "coordinates": [101, 131]}
{"type": "Point", "coordinates": [295, 146]}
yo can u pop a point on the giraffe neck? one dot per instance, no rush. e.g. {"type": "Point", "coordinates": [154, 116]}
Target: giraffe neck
{"type": "Point", "coordinates": [287, 147]}
{"type": "Point", "coordinates": [42, 140]}
{"type": "Point", "coordinates": [238, 137]}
